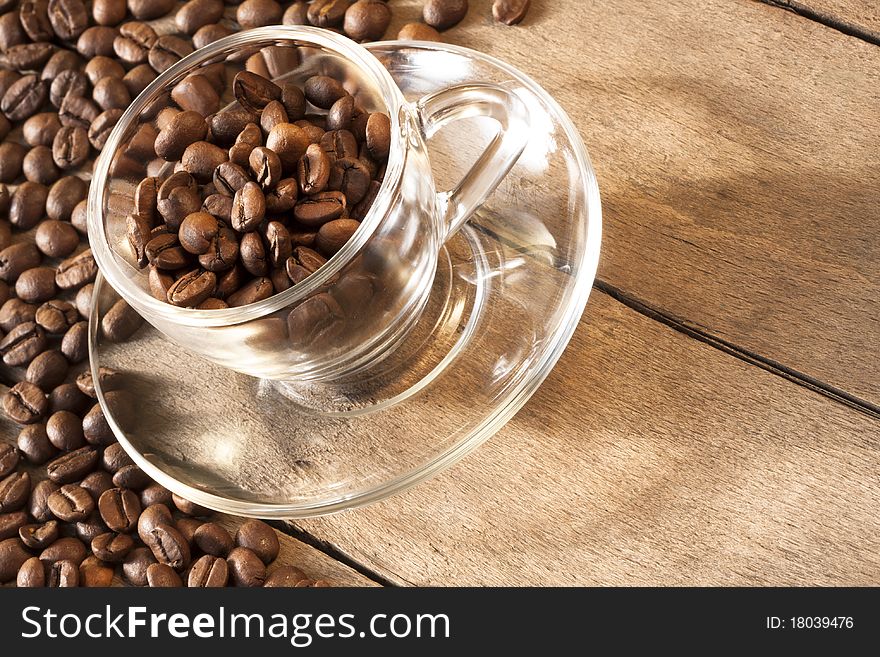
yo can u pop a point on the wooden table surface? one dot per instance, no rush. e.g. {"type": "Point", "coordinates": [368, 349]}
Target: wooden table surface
{"type": "Point", "coordinates": [716, 417]}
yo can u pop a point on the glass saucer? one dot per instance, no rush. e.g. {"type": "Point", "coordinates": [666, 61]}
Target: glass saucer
{"type": "Point", "coordinates": [508, 294]}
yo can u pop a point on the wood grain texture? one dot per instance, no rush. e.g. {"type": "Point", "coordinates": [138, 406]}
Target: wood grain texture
{"type": "Point", "coordinates": [646, 458]}
{"type": "Point", "coordinates": [735, 146]}
{"type": "Point", "coordinates": [859, 17]}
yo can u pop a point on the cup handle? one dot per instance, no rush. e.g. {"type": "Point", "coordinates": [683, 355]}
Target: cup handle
{"type": "Point", "coordinates": [440, 108]}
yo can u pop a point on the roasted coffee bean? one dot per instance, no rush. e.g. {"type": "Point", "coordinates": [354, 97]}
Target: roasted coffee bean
{"type": "Point", "coordinates": [189, 508]}
{"type": "Point", "coordinates": [17, 258]}
{"type": "Point", "coordinates": [197, 13]}
{"type": "Point", "coordinates": [253, 254]}
{"type": "Point", "coordinates": [192, 288]}
{"type": "Point", "coordinates": [27, 206]}
{"type": "Point", "coordinates": [40, 129]}
{"type": "Point", "coordinates": [138, 78]}
{"type": "Point", "coordinates": [115, 458]}
{"type": "Point", "coordinates": [197, 232]}
{"type": "Point", "coordinates": [9, 457]}
{"type": "Point", "coordinates": [379, 135]}
{"type": "Point", "coordinates": [266, 166]}
{"type": "Point", "coordinates": [65, 549]}
{"type": "Point", "coordinates": [72, 466]}
{"type": "Point", "coordinates": [184, 129]}
{"type": "Point", "coordinates": [97, 41]}
{"type": "Point", "coordinates": [88, 529]}
{"type": "Point", "coordinates": [112, 547]}
{"type": "Point", "coordinates": [296, 14]}
{"type": "Point", "coordinates": [62, 574]}
{"type": "Point", "coordinates": [31, 575]}
{"type": "Point", "coordinates": [316, 321]}
{"type": "Point", "coordinates": [333, 235]}
{"type": "Point", "coordinates": [340, 115]}
{"type": "Point", "coordinates": [328, 13]}
{"type": "Point", "coordinates": [132, 477]}
{"type": "Point", "coordinates": [258, 13]}
{"type": "Point", "coordinates": [11, 158]}
{"type": "Point", "coordinates": [62, 198]}
{"type": "Point", "coordinates": [24, 98]}
{"type": "Point", "coordinates": [67, 397]}
{"type": "Point", "coordinates": [146, 10]}
{"type": "Point", "coordinates": [289, 142]}
{"type": "Point", "coordinates": [68, 18]}
{"type": "Point", "coordinates": [134, 42]}
{"type": "Point", "coordinates": [226, 126]}
{"type": "Point", "coordinates": [294, 101]}
{"type": "Point", "coordinates": [283, 197]}
{"type": "Point", "coordinates": [11, 524]}
{"type": "Point", "coordinates": [56, 316]}
{"type": "Point", "coordinates": [165, 252]}
{"type": "Point", "coordinates": [168, 50]}
{"type": "Point", "coordinates": [209, 34]}
{"type": "Point", "coordinates": [77, 112]}
{"type": "Point", "coordinates": [70, 148]}
{"type": "Point", "coordinates": [248, 208]}
{"type": "Point", "coordinates": [94, 573]}
{"type": "Point", "coordinates": [95, 427]}
{"type": "Point", "coordinates": [111, 93]}
{"type": "Point", "coordinates": [33, 443]}
{"type": "Point", "coordinates": [15, 312]}
{"type": "Point", "coordinates": [153, 516]}
{"type": "Point", "coordinates": [208, 571]}
{"type": "Point", "coordinates": [22, 344]}
{"type": "Point", "coordinates": [75, 343]}
{"type": "Point", "coordinates": [367, 20]}
{"type": "Point", "coordinates": [109, 379]}
{"type": "Point", "coordinates": [76, 271]}
{"type": "Point", "coordinates": [37, 504]}
{"type": "Point", "coordinates": [61, 60]}
{"type": "Point", "coordinates": [181, 202]}
{"type": "Point", "coordinates": [273, 114]}
{"type": "Point", "coordinates": [285, 577]}
{"type": "Point", "coordinates": [102, 126]}
{"type": "Point", "coordinates": [213, 539]}
{"type": "Point", "coordinates": [120, 322]}
{"type": "Point", "coordinates": [278, 243]}
{"type": "Point", "coordinates": [323, 91]}
{"type": "Point", "coordinates": [201, 158]}
{"type": "Point", "coordinates": [314, 170]}
{"type": "Point", "coordinates": [96, 483]}
{"type": "Point", "coordinates": [339, 144]}
{"type": "Point", "coordinates": [212, 303]}
{"type": "Point", "coordinates": [196, 93]}
{"type": "Point", "coordinates": [39, 167]}
{"type": "Point", "coordinates": [160, 575]}
{"type": "Point", "coordinates": [253, 92]}
{"type": "Point", "coordinates": [65, 431]}
{"type": "Point", "coordinates": [14, 491]}
{"type": "Point", "coordinates": [222, 253]}
{"type": "Point", "coordinates": [12, 556]}
{"type": "Point", "coordinates": [260, 538]}
{"type": "Point", "coordinates": [510, 12]}
{"type": "Point", "coordinates": [135, 565]}
{"type": "Point", "coordinates": [230, 177]}
{"type": "Point", "coordinates": [11, 32]}
{"type": "Point", "coordinates": [187, 527]}
{"type": "Point", "coordinates": [350, 177]}
{"type": "Point", "coordinates": [36, 285]}
{"type": "Point", "coordinates": [48, 370]}
{"type": "Point", "coordinates": [245, 567]}
{"type": "Point", "coordinates": [155, 494]}
{"type": "Point", "coordinates": [168, 546]}
{"type": "Point", "coordinates": [5, 235]}
{"type": "Point", "coordinates": [71, 503]}
{"type": "Point", "coordinates": [146, 194]}
{"type": "Point", "coordinates": [120, 508]}
{"type": "Point", "coordinates": [108, 12]}
{"type": "Point", "coordinates": [360, 210]}
{"type": "Point", "coordinates": [443, 14]}
{"type": "Point", "coordinates": [29, 56]}
{"type": "Point", "coordinates": [67, 83]}
{"type": "Point", "coordinates": [39, 537]}
{"type": "Point", "coordinates": [320, 208]}
{"type": "Point", "coordinates": [175, 180]}
{"type": "Point", "coordinates": [102, 67]}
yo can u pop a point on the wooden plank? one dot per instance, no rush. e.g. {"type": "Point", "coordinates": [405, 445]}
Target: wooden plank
{"type": "Point", "coordinates": [646, 458]}
{"type": "Point", "coordinates": [735, 146]}
{"type": "Point", "coordinates": [856, 17]}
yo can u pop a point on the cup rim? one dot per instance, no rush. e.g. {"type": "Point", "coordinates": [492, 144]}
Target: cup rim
{"type": "Point", "coordinates": [108, 260]}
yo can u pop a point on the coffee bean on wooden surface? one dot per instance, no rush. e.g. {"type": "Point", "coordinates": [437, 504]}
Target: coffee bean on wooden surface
{"type": "Point", "coordinates": [510, 12]}
{"type": "Point", "coordinates": [209, 571]}
{"type": "Point", "coordinates": [14, 491]}
{"type": "Point", "coordinates": [12, 555]}
{"type": "Point", "coordinates": [327, 13]}
{"type": "Point", "coordinates": [25, 403]}
{"type": "Point", "coordinates": [9, 458]}
{"type": "Point", "coordinates": [259, 537]}
{"type": "Point", "coordinates": [120, 509]}
{"type": "Point", "coordinates": [285, 577]}
{"type": "Point", "coordinates": [37, 503]}
{"type": "Point", "coordinates": [72, 466]}
{"type": "Point", "coordinates": [443, 14]}
{"type": "Point", "coordinates": [65, 431]}
{"type": "Point", "coordinates": [33, 443]}
{"type": "Point", "coordinates": [68, 397]}
{"type": "Point", "coordinates": [161, 575]}
{"type": "Point", "coordinates": [367, 20]}
{"type": "Point", "coordinates": [71, 503]}
{"type": "Point", "coordinates": [67, 548]}
{"type": "Point", "coordinates": [168, 546]}
{"type": "Point", "coordinates": [56, 238]}
{"type": "Point", "coordinates": [418, 32]}
{"type": "Point", "coordinates": [245, 567]}
{"type": "Point", "coordinates": [39, 536]}
{"type": "Point", "coordinates": [56, 316]}
{"type": "Point", "coordinates": [96, 483]}
{"type": "Point", "coordinates": [75, 343]}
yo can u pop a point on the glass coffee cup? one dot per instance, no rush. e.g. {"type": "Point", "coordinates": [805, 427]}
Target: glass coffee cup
{"type": "Point", "coordinates": [350, 314]}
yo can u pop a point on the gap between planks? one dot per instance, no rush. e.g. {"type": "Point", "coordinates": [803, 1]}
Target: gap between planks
{"type": "Point", "coordinates": [841, 25]}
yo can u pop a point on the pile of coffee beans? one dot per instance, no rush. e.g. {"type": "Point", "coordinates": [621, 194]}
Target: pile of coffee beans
{"type": "Point", "coordinates": [261, 194]}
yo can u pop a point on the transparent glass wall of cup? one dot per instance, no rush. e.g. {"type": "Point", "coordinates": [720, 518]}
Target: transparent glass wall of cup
{"type": "Point", "coordinates": [351, 312]}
